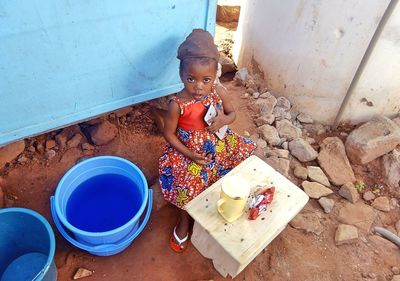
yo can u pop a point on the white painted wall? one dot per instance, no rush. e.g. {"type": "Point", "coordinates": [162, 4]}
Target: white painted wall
{"type": "Point", "coordinates": [380, 80]}
{"type": "Point", "coordinates": [308, 50]}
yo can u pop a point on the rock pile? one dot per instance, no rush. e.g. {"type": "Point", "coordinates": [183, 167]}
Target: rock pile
{"type": "Point", "coordinates": [323, 169]}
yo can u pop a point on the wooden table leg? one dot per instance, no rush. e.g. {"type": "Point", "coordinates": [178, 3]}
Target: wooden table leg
{"type": "Point", "coordinates": [210, 248]}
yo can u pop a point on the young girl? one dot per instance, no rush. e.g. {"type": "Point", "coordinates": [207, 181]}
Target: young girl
{"type": "Point", "coordinates": [194, 157]}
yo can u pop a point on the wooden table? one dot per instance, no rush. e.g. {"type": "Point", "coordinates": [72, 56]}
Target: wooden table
{"type": "Point", "coordinates": [232, 246]}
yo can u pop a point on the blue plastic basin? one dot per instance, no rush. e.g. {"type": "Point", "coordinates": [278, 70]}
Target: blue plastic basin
{"type": "Point", "coordinates": [98, 204]}
{"type": "Point", "coordinates": [27, 246]}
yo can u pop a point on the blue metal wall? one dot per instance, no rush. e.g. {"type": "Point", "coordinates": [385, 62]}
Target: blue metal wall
{"type": "Point", "coordinates": [64, 61]}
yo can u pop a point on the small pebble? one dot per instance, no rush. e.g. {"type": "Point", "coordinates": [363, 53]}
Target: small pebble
{"type": "Point", "coordinates": [50, 154]}
{"type": "Point", "coordinates": [31, 148]}
{"type": "Point", "coordinates": [81, 273]}
{"type": "Point", "coordinates": [395, 270]}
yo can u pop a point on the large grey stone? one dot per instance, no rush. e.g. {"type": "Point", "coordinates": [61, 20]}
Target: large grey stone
{"type": "Point", "coordinates": [270, 134]}
{"type": "Point", "coordinates": [287, 130]}
{"type": "Point", "coordinates": [358, 214]}
{"type": "Point", "coordinates": [391, 165]}
{"type": "Point", "coordinates": [265, 105]}
{"type": "Point", "coordinates": [333, 160]}
{"type": "Point", "coordinates": [346, 234]}
{"type": "Point", "coordinates": [316, 174]}
{"type": "Point", "coordinates": [371, 140]}
{"type": "Point", "coordinates": [349, 192]}
{"type": "Point", "coordinates": [315, 190]}
{"type": "Point", "coordinates": [310, 222]}
{"type": "Point", "coordinates": [11, 151]}
{"type": "Point", "coordinates": [280, 164]}
{"type": "Point", "coordinates": [302, 150]}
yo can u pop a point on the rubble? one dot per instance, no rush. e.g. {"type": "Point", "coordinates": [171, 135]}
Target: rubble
{"type": "Point", "coordinates": [227, 64]}
{"type": "Point", "coordinates": [61, 139]}
{"type": "Point", "coordinates": [310, 222]}
{"type": "Point", "coordinates": [302, 150]}
{"type": "Point", "coordinates": [265, 105]}
{"type": "Point", "coordinates": [333, 160]}
{"type": "Point", "coordinates": [381, 203]}
{"type": "Point", "coordinates": [326, 204]}
{"type": "Point", "coordinates": [71, 155]}
{"type": "Point", "coordinates": [371, 140]}
{"type": "Point", "coordinates": [283, 102]}
{"type": "Point", "coordinates": [87, 146]}
{"type": "Point", "coordinates": [103, 133]}
{"type": "Point", "coordinates": [346, 234]}
{"type": "Point", "coordinates": [280, 164]}
{"type": "Point", "coordinates": [349, 192]}
{"type": "Point", "coordinates": [287, 130]}
{"type": "Point", "coordinates": [316, 174]}
{"type": "Point", "coordinates": [31, 149]}
{"type": "Point", "coordinates": [74, 141]}
{"type": "Point", "coordinates": [368, 196]}
{"type": "Point", "coordinates": [265, 119]}
{"type": "Point", "coordinates": [281, 153]}
{"type": "Point", "coordinates": [358, 214]}
{"type": "Point", "coordinates": [50, 154]}
{"type": "Point", "coordinates": [391, 165]}
{"type": "Point", "coordinates": [241, 76]}
{"type": "Point", "coordinates": [270, 134]}
{"type": "Point", "coordinates": [281, 113]}
{"type": "Point", "coordinates": [10, 152]}
{"type": "Point", "coordinates": [304, 118]}
{"type": "Point", "coordinates": [315, 190]}
{"type": "Point", "coordinates": [50, 144]}
{"type": "Point", "coordinates": [300, 172]}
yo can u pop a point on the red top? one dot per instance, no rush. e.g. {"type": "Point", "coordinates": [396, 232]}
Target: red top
{"type": "Point", "coordinates": [192, 117]}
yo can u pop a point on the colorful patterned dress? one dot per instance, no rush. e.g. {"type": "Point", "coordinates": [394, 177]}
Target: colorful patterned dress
{"type": "Point", "coordinates": [182, 179]}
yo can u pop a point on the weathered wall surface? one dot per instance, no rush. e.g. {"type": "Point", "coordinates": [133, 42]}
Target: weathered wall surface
{"type": "Point", "coordinates": [310, 51]}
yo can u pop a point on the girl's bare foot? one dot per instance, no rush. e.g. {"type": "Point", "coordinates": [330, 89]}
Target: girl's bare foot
{"type": "Point", "coordinates": [180, 235]}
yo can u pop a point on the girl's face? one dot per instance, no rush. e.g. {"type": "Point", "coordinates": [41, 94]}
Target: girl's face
{"type": "Point", "coordinates": [198, 78]}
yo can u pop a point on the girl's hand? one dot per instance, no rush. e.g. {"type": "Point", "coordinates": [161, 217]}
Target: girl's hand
{"type": "Point", "coordinates": [202, 160]}
{"type": "Point", "coordinates": [217, 122]}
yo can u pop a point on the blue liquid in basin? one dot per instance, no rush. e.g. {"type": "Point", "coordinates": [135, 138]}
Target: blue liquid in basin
{"type": "Point", "coordinates": [104, 202]}
{"type": "Point", "coordinates": [25, 268]}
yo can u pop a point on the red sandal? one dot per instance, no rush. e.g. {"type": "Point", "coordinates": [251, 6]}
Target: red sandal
{"type": "Point", "coordinates": [180, 246]}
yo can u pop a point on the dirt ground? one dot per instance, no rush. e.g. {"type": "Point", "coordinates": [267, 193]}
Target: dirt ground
{"type": "Point", "coordinates": [293, 255]}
